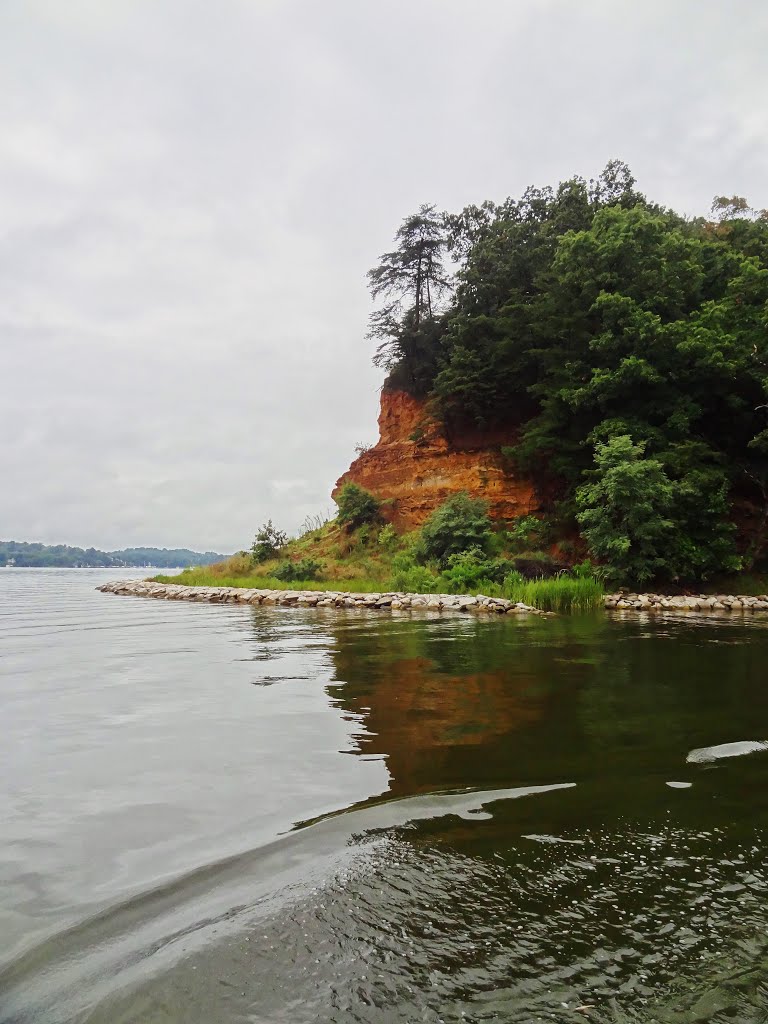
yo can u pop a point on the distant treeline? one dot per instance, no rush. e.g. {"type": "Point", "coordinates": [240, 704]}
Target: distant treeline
{"type": "Point", "coordinates": [62, 556]}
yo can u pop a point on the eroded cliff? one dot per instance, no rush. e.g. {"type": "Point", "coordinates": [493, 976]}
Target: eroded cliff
{"type": "Point", "coordinates": [415, 467]}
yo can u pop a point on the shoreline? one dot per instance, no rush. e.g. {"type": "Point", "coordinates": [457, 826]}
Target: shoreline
{"type": "Point", "coordinates": [387, 601]}
{"type": "Point", "coordinates": [397, 601]}
{"type": "Point", "coordinates": [647, 602]}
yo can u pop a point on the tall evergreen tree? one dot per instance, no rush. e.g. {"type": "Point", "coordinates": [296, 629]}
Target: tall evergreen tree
{"type": "Point", "coordinates": [411, 280]}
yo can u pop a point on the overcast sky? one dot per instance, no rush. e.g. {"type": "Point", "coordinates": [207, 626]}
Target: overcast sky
{"type": "Point", "coordinates": [192, 192]}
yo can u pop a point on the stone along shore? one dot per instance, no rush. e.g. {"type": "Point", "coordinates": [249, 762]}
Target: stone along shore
{"type": "Point", "coordinates": [689, 603]}
{"type": "Point", "coordinates": [424, 602]}
{"type": "Point", "coordinates": [321, 599]}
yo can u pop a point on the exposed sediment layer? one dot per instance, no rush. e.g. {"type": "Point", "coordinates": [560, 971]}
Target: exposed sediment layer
{"type": "Point", "coordinates": [321, 599]}
{"type": "Point", "coordinates": [414, 467]}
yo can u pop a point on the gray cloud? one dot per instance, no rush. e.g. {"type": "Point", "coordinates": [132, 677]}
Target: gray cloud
{"type": "Point", "coordinates": [190, 195]}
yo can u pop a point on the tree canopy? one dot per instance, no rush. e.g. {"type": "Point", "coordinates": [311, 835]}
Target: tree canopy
{"type": "Point", "coordinates": [585, 313]}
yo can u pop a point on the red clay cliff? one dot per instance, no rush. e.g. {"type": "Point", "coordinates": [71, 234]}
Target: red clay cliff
{"type": "Point", "coordinates": [415, 467]}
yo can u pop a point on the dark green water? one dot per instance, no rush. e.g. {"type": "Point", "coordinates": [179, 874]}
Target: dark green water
{"type": "Point", "coordinates": [350, 817]}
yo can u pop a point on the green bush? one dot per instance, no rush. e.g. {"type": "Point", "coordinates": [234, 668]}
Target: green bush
{"type": "Point", "coordinates": [410, 577]}
{"type": "Point", "coordinates": [357, 506]}
{"type": "Point", "coordinates": [387, 538]}
{"type": "Point", "coordinates": [304, 569]}
{"type": "Point", "coordinates": [457, 525]}
{"type": "Point", "coordinates": [525, 533]}
{"type": "Point", "coordinates": [268, 542]}
{"type": "Point", "coordinates": [473, 570]}
{"type": "Point", "coordinates": [587, 570]}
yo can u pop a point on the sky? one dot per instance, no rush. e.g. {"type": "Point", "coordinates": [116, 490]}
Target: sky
{"type": "Point", "coordinates": [191, 194]}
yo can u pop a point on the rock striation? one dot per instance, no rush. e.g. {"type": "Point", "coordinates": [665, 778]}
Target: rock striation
{"type": "Point", "coordinates": [415, 467]}
{"type": "Point", "coordinates": [321, 598]}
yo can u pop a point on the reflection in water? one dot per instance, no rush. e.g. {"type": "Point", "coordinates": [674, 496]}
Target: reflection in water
{"type": "Point", "coordinates": [543, 851]}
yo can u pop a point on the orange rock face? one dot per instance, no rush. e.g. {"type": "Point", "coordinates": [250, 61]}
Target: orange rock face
{"type": "Point", "coordinates": [416, 468]}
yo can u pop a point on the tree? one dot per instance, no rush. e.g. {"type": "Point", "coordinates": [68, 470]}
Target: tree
{"type": "Point", "coordinates": [585, 313]}
{"type": "Point", "coordinates": [268, 542]}
{"type": "Point", "coordinates": [411, 280]}
{"type": "Point", "coordinates": [657, 517]}
{"type": "Point", "coordinates": [459, 524]}
{"type": "Point", "coordinates": [624, 511]}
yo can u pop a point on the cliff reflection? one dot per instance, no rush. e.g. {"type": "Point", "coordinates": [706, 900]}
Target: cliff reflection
{"type": "Point", "coordinates": [452, 703]}
{"type": "Point", "coordinates": [614, 706]}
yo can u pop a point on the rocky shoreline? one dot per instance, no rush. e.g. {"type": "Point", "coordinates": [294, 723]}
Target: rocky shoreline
{"type": "Point", "coordinates": [688, 603]}
{"type": "Point", "coordinates": [391, 601]}
{"type": "Point", "coordinates": [322, 599]}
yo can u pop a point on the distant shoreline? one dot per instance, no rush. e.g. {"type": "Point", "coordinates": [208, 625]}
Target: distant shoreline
{"type": "Point", "coordinates": [16, 554]}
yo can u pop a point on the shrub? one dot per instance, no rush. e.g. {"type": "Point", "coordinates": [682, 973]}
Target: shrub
{"type": "Point", "coordinates": [473, 570]}
{"type": "Point", "coordinates": [526, 532]}
{"type": "Point", "coordinates": [457, 525]}
{"type": "Point", "coordinates": [357, 506]}
{"type": "Point", "coordinates": [268, 542]}
{"type": "Point", "coordinates": [387, 538]}
{"type": "Point", "coordinates": [304, 569]}
{"type": "Point", "coordinates": [416, 579]}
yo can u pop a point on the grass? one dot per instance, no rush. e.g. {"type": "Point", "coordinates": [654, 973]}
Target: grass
{"type": "Point", "coordinates": [364, 562]}
{"type": "Point", "coordinates": [370, 560]}
{"type": "Point", "coordinates": [564, 594]}
{"type": "Point", "coordinates": [205, 578]}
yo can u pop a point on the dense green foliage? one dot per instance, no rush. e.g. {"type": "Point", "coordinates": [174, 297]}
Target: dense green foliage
{"type": "Point", "coordinates": [357, 507]}
{"type": "Point", "coordinates": [635, 517]}
{"type": "Point", "coordinates": [459, 524]}
{"type": "Point", "coordinates": [268, 542]}
{"type": "Point", "coordinates": [586, 313]}
{"type": "Point", "coordinates": [23, 554]}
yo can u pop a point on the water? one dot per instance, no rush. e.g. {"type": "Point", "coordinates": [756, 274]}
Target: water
{"type": "Point", "coordinates": [231, 814]}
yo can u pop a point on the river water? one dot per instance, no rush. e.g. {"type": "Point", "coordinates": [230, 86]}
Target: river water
{"type": "Point", "coordinates": [215, 814]}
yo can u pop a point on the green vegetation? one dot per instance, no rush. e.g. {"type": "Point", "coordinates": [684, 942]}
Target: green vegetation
{"type": "Point", "coordinates": [560, 594]}
{"type": "Point", "coordinates": [623, 346]}
{"type": "Point", "coordinates": [457, 552]}
{"type": "Point", "coordinates": [268, 542]}
{"type": "Point", "coordinates": [62, 556]}
{"type": "Point", "coordinates": [583, 315]}
{"type": "Point", "coordinates": [357, 507]}
{"type": "Point", "coordinates": [460, 524]}
{"type": "Point", "coordinates": [630, 516]}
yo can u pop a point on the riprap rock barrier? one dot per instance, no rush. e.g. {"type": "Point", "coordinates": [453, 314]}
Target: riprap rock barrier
{"type": "Point", "coordinates": [322, 599]}
{"type": "Point", "coordinates": [686, 603]}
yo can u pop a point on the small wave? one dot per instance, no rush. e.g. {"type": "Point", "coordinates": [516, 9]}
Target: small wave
{"type": "Point", "coordinates": [53, 983]}
{"type": "Point", "coordinates": [703, 755]}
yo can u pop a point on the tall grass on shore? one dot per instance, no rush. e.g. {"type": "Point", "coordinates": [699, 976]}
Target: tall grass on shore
{"type": "Point", "coordinates": [565, 594]}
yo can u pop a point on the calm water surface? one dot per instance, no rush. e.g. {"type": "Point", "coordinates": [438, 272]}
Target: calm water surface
{"type": "Point", "coordinates": [231, 814]}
